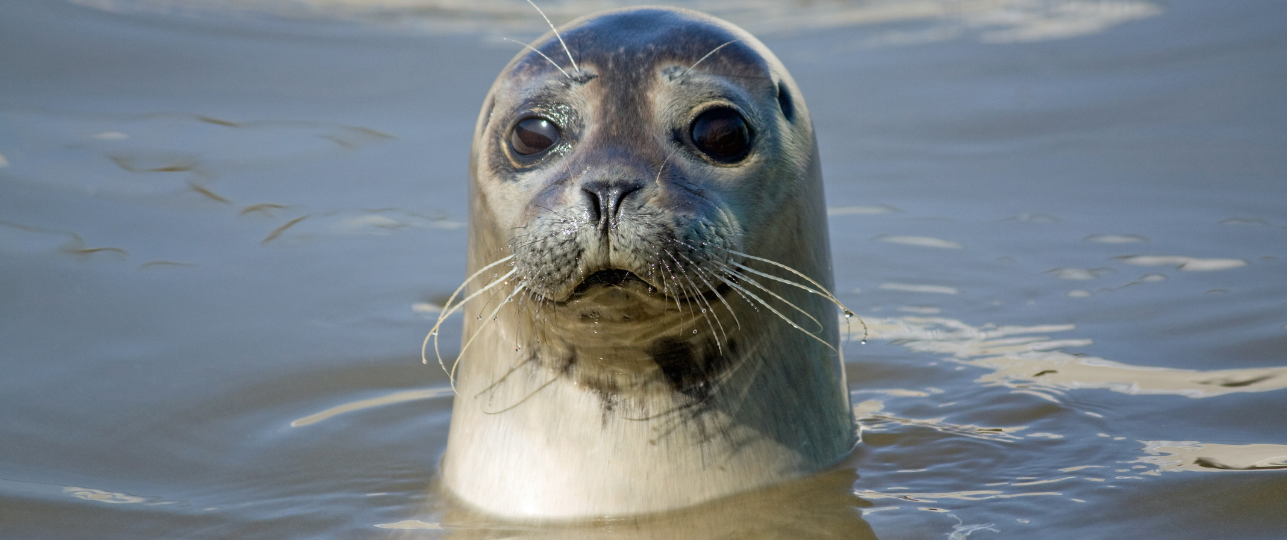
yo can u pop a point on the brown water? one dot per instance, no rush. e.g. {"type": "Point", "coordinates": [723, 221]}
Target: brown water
{"type": "Point", "coordinates": [224, 231]}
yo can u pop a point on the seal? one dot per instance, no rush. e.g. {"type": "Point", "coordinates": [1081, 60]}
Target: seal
{"type": "Point", "coordinates": [647, 322]}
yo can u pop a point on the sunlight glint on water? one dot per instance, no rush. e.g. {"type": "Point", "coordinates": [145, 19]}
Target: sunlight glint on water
{"type": "Point", "coordinates": [226, 227]}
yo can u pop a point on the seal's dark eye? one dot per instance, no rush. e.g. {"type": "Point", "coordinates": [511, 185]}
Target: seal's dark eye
{"type": "Point", "coordinates": [533, 136]}
{"type": "Point", "coordinates": [722, 134]}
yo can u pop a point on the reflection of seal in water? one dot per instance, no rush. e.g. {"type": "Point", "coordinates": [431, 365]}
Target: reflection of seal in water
{"type": "Point", "coordinates": [647, 326]}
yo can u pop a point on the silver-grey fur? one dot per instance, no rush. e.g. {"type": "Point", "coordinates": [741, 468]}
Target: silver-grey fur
{"type": "Point", "coordinates": [636, 353]}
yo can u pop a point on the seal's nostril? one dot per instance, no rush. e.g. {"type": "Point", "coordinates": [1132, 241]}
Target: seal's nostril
{"type": "Point", "coordinates": [592, 204]}
{"type": "Point", "coordinates": [604, 199]}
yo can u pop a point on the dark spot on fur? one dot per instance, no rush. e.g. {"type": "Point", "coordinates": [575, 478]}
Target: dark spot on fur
{"type": "Point", "coordinates": [784, 102]}
{"type": "Point", "coordinates": [569, 363]}
{"type": "Point", "coordinates": [688, 370]}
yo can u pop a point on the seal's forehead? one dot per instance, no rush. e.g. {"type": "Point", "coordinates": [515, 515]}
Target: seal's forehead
{"type": "Point", "coordinates": [641, 38]}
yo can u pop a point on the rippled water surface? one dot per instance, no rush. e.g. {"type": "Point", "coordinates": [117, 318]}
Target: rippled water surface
{"type": "Point", "coordinates": [225, 228]}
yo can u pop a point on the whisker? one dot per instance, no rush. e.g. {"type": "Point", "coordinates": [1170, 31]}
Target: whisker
{"type": "Point", "coordinates": [672, 411]}
{"type": "Point", "coordinates": [447, 310]}
{"type": "Point", "coordinates": [492, 295]}
{"type": "Point", "coordinates": [711, 307]}
{"type": "Point", "coordinates": [820, 291]}
{"type": "Point", "coordinates": [739, 293]}
{"type": "Point", "coordinates": [770, 292]}
{"type": "Point", "coordinates": [708, 312]}
{"type": "Point", "coordinates": [496, 383]}
{"type": "Point", "coordinates": [700, 271]}
{"type": "Point", "coordinates": [850, 314]}
{"type": "Point", "coordinates": [746, 388]}
{"type": "Point", "coordinates": [699, 60]}
{"type": "Point", "coordinates": [827, 295]}
{"type": "Point", "coordinates": [662, 168]}
{"type": "Point", "coordinates": [547, 59]}
{"type": "Point", "coordinates": [491, 317]}
{"type": "Point", "coordinates": [697, 269]}
{"type": "Point", "coordinates": [778, 313]}
{"type": "Point", "coordinates": [444, 313]}
{"type": "Point", "coordinates": [556, 34]}
{"type": "Point", "coordinates": [683, 291]}
{"type": "Point", "coordinates": [525, 398]}
{"type": "Point", "coordinates": [694, 293]}
{"type": "Point", "coordinates": [433, 332]}
{"type": "Point", "coordinates": [668, 291]}
{"type": "Point", "coordinates": [823, 294]}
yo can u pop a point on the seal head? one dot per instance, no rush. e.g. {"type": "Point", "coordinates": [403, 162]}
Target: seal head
{"type": "Point", "coordinates": [649, 182]}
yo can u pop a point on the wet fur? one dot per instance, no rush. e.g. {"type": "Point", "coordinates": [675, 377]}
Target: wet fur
{"type": "Point", "coordinates": [715, 371]}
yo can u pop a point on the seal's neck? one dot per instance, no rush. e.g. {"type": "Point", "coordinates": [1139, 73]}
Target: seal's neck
{"type": "Point", "coordinates": [555, 418]}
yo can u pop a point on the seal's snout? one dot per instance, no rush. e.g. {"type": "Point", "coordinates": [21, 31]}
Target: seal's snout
{"type": "Point", "coordinates": [604, 199]}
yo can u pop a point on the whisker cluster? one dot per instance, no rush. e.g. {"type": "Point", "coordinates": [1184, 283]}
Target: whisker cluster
{"type": "Point", "coordinates": [561, 42]}
{"type": "Point", "coordinates": [675, 271]}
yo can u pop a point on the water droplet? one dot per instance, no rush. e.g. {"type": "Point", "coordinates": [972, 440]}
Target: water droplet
{"type": "Point", "coordinates": [694, 331]}
{"type": "Point", "coordinates": [848, 314]}
{"type": "Point", "coordinates": [480, 317]}
{"type": "Point", "coordinates": [434, 333]}
{"type": "Point", "coordinates": [863, 342]}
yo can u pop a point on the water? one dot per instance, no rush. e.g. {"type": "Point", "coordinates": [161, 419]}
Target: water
{"type": "Point", "coordinates": [224, 232]}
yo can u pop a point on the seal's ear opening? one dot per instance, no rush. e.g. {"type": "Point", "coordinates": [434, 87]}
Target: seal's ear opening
{"type": "Point", "coordinates": [784, 102]}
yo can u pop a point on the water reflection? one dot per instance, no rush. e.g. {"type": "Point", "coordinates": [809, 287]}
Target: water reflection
{"type": "Point", "coordinates": [821, 507]}
{"type": "Point", "coordinates": [1196, 456]}
{"type": "Point", "coordinates": [193, 148]}
{"type": "Point", "coordinates": [920, 241]}
{"type": "Point", "coordinates": [908, 287]}
{"type": "Point", "coordinates": [904, 454]}
{"type": "Point", "coordinates": [23, 238]}
{"type": "Point", "coordinates": [98, 495]}
{"type": "Point", "coordinates": [379, 401]}
{"type": "Point", "coordinates": [1022, 357]}
{"type": "Point", "coordinates": [1187, 264]}
{"type": "Point", "coordinates": [1116, 238]}
{"type": "Point", "coordinates": [159, 399]}
{"type": "Point", "coordinates": [987, 21]}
